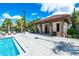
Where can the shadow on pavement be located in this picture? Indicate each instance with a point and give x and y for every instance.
(61, 47)
(66, 47)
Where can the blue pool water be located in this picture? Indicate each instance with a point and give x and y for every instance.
(8, 47)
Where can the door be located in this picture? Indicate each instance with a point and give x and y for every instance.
(46, 29)
(58, 27)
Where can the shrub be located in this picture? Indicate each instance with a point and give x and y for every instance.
(31, 30)
(13, 28)
(75, 36)
(4, 30)
(72, 31)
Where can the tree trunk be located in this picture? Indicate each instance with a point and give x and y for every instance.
(8, 28)
(21, 28)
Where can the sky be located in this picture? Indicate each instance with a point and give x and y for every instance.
(34, 10)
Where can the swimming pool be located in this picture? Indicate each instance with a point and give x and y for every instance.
(8, 47)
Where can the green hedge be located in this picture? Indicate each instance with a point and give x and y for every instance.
(31, 31)
(75, 36)
(72, 31)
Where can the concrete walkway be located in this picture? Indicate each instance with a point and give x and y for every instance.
(39, 45)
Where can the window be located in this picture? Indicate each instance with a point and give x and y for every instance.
(58, 27)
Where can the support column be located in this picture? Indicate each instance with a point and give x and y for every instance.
(50, 28)
(36, 31)
(43, 28)
(39, 28)
(62, 29)
(65, 29)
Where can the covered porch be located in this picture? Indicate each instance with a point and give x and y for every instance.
(55, 25)
(54, 28)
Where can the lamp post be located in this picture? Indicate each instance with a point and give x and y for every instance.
(24, 20)
(73, 20)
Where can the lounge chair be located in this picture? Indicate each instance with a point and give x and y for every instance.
(0, 34)
(14, 32)
(3, 34)
(9, 32)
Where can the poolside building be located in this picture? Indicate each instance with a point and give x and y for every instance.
(54, 25)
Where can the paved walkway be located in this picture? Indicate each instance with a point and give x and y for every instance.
(39, 45)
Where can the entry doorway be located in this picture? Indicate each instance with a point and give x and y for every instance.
(58, 27)
(46, 29)
(37, 30)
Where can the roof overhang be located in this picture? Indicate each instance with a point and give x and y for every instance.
(56, 18)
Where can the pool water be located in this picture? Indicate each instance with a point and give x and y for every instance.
(8, 47)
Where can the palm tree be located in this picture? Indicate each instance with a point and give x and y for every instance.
(32, 26)
(20, 24)
(7, 24)
(35, 20)
(75, 19)
(24, 23)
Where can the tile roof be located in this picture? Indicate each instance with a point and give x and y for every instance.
(55, 18)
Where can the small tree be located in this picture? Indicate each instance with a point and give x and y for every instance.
(75, 19)
(19, 25)
(7, 24)
(72, 31)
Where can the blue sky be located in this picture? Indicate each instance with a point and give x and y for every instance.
(34, 10)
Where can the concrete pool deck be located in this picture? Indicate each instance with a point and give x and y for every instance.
(39, 45)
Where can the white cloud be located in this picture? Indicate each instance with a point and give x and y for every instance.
(6, 15)
(34, 13)
(77, 8)
(47, 7)
(1, 20)
(59, 12)
(38, 17)
(16, 17)
(58, 8)
(37, 1)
